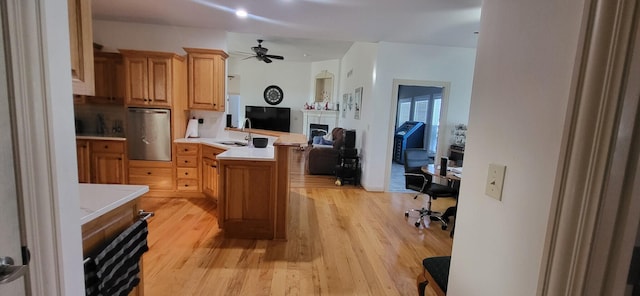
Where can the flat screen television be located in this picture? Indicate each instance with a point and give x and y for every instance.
(269, 118)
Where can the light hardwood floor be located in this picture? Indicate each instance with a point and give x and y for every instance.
(342, 241)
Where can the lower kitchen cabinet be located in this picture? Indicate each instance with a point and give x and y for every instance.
(210, 177)
(210, 171)
(99, 232)
(108, 162)
(247, 201)
(158, 175)
(187, 167)
(101, 161)
(84, 161)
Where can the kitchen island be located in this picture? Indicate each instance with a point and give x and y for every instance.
(106, 211)
(253, 185)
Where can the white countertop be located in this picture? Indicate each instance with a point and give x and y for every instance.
(99, 199)
(234, 152)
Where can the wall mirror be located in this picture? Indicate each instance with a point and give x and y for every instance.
(324, 87)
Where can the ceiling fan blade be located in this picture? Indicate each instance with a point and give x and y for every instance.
(251, 57)
(266, 59)
(276, 57)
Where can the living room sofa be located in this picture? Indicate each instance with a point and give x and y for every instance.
(324, 158)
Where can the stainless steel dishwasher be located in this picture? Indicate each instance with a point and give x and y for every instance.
(149, 134)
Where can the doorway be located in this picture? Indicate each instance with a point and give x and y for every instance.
(420, 114)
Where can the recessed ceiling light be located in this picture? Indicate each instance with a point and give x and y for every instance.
(241, 13)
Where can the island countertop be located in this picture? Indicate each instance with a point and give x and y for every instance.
(99, 199)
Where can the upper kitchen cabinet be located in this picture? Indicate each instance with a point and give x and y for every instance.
(153, 79)
(81, 41)
(109, 76)
(207, 78)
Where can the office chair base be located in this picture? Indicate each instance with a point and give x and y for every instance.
(432, 215)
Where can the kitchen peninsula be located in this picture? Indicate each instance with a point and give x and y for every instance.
(253, 184)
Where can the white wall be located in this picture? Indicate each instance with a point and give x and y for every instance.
(410, 62)
(125, 35)
(525, 62)
(292, 77)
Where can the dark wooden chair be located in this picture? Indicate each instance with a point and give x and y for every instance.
(435, 272)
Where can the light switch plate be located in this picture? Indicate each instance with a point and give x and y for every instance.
(495, 180)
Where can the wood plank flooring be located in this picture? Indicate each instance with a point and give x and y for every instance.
(342, 241)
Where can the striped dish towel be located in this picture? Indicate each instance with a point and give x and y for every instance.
(117, 265)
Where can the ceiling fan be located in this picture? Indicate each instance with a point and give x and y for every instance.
(261, 53)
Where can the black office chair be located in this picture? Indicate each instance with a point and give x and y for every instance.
(416, 179)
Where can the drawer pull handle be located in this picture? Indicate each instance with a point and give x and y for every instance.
(186, 185)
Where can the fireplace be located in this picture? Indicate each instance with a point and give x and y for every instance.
(317, 130)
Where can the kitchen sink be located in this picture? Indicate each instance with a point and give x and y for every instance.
(233, 143)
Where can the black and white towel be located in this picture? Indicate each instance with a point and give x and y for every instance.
(115, 270)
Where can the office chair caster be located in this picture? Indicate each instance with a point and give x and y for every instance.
(406, 214)
(417, 224)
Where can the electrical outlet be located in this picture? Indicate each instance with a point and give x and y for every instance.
(495, 181)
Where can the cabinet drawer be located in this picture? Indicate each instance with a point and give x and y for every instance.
(188, 185)
(211, 152)
(187, 173)
(155, 178)
(187, 161)
(187, 149)
(107, 146)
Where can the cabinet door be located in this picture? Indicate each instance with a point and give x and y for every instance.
(84, 161)
(160, 81)
(136, 82)
(103, 69)
(219, 81)
(81, 45)
(206, 81)
(248, 190)
(210, 178)
(107, 168)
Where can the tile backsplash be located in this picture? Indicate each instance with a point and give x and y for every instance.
(88, 120)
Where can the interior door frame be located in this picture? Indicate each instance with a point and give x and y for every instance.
(442, 146)
(595, 210)
(38, 60)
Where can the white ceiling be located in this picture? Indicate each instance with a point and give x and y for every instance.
(321, 29)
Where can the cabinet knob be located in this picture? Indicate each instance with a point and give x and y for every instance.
(185, 149)
(186, 161)
(186, 185)
(186, 174)
(148, 173)
(119, 158)
(106, 146)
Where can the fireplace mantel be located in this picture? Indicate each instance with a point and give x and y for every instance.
(328, 117)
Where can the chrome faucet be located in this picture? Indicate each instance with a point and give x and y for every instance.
(249, 138)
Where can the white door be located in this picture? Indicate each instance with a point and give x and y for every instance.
(9, 223)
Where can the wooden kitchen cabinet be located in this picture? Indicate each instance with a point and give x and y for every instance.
(109, 79)
(81, 45)
(158, 175)
(153, 79)
(108, 162)
(187, 167)
(84, 161)
(247, 201)
(99, 232)
(210, 171)
(206, 78)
